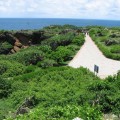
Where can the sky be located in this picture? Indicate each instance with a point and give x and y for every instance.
(81, 9)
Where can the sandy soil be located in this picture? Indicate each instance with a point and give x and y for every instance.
(89, 55)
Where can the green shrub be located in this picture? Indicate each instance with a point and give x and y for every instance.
(45, 48)
(68, 112)
(5, 47)
(56, 88)
(73, 48)
(10, 69)
(5, 88)
(61, 54)
(59, 40)
(79, 40)
(62, 93)
(46, 63)
(107, 44)
(30, 69)
(3, 68)
(115, 49)
(28, 56)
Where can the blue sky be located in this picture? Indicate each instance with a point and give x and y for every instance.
(90, 9)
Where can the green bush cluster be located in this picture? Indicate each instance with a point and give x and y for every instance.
(63, 92)
(78, 40)
(60, 92)
(107, 39)
(46, 63)
(29, 56)
(61, 54)
(5, 88)
(68, 112)
(10, 68)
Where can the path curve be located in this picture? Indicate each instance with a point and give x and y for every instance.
(89, 55)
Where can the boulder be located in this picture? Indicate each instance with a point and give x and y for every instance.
(18, 44)
(77, 118)
(24, 37)
(111, 42)
(26, 105)
(12, 51)
(24, 47)
(22, 110)
(16, 49)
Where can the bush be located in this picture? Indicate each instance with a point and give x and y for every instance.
(5, 47)
(61, 55)
(59, 40)
(46, 63)
(45, 49)
(73, 48)
(62, 93)
(37, 37)
(10, 69)
(115, 49)
(28, 56)
(79, 40)
(30, 69)
(68, 112)
(106, 43)
(5, 88)
(3, 68)
(110, 42)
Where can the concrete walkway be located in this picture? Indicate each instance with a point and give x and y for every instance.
(89, 55)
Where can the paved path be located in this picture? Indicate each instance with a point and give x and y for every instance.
(89, 55)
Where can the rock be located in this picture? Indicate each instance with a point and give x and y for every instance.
(24, 47)
(7, 36)
(12, 51)
(23, 37)
(110, 42)
(37, 37)
(18, 44)
(16, 49)
(110, 117)
(26, 105)
(77, 118)
(22, 111)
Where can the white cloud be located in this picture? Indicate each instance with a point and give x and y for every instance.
(101, 9)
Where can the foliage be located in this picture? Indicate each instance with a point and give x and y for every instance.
(5, 88)
(10, 68)
(58, 87)
(59, 40)
(46, 63)
(28, 56)
(61, 92)
(78, 40)
(68, 112)
(61, 54)
(107, 40)
(5, 47)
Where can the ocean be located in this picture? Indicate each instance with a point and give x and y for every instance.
(38, 23)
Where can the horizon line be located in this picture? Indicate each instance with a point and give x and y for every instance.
(59, 18)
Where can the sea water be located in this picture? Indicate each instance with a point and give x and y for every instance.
(38, 23)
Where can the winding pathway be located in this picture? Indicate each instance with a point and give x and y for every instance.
(89, 55)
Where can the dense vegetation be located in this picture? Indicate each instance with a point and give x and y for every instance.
(36, 84)
(108, 41)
